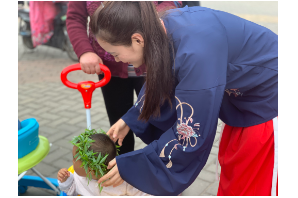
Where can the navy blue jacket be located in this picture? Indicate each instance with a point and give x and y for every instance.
(225, 67)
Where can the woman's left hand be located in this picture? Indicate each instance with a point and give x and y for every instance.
(112, 177)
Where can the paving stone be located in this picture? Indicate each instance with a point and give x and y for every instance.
(59, 98)
(212, 189)
(215, 144)
(68, 158)
(49, 116)
(57, 154)
(140, 145)
(67, 114)
(47, 129)
(196, 188)
(214, 150)
(98, 117)
(69, 102)
(51, 104)
(68, 127)
(23, 102)
(26, 111)
(44, 168)
(44, 99)
(65, 142)
(205, 194)
(211, 159)
(77, 119)
(58, 135)
(216, 138)
(59, 121)
(44, 122)
(32, 106)
(53, 147)
(83, 125)
(61, 163)
(212, 168)
(103, 123)
(207, 176)
(42, 110)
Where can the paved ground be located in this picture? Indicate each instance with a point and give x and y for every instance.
(60, 112)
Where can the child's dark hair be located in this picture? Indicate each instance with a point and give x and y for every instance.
(104, 145)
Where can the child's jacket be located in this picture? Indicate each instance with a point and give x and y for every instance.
(77, 185)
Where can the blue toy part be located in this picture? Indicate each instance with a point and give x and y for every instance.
(19, 125)
(27, 137)
(22, 189)
(35, 181)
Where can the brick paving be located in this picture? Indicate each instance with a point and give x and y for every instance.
(61, 115)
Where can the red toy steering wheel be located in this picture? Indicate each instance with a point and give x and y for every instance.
(86, 87)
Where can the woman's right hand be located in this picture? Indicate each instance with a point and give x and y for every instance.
(90, 63)
(118, 131)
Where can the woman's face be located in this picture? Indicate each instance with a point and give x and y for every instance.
(127, 54)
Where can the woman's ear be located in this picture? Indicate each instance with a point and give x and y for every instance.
(137, 39)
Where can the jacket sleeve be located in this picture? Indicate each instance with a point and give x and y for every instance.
(144, 130)
(76, 24)
(68, 186)
(169, 165)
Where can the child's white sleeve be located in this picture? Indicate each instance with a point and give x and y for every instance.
(68, 186)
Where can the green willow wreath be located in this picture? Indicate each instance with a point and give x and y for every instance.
(89, 161)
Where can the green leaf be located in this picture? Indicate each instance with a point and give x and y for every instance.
(98, 158)
(86, 168)
(103, 159)
(77, 155)
(78, 158)
(100, 187)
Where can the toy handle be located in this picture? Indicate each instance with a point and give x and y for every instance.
(77, 66)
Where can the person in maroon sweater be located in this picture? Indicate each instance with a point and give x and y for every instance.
(118, 93)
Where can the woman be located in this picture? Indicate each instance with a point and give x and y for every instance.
(202, 65)
(118, 93)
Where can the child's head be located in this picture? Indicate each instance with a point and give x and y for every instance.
(102, 144)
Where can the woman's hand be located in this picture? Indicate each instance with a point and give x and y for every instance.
(63, 174)
(112, 177)
(90, 63)
(118, 131)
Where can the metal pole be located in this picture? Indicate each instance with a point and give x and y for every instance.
(46, 181)
(21, 175)
(88, 115)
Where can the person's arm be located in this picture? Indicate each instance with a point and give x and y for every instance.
(68, 186)
(170, 164)
(167, 5)
(76, 24)
(144, 130)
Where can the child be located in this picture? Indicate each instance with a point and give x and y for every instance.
(92, 152)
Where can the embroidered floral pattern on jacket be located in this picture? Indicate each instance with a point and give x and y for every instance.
(236, 92)
(185, 132)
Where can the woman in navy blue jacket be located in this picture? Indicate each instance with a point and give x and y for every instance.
(202, 64)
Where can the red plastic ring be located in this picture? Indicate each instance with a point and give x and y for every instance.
(101, 83)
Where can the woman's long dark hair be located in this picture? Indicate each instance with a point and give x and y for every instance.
(116, 22)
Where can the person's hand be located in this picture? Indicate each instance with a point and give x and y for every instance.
(90, 63)
(118, 131)
(112, 177)
(63, 174)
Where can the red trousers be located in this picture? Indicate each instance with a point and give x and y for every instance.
(247, 158)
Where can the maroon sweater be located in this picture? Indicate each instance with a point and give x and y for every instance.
(76, 24)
